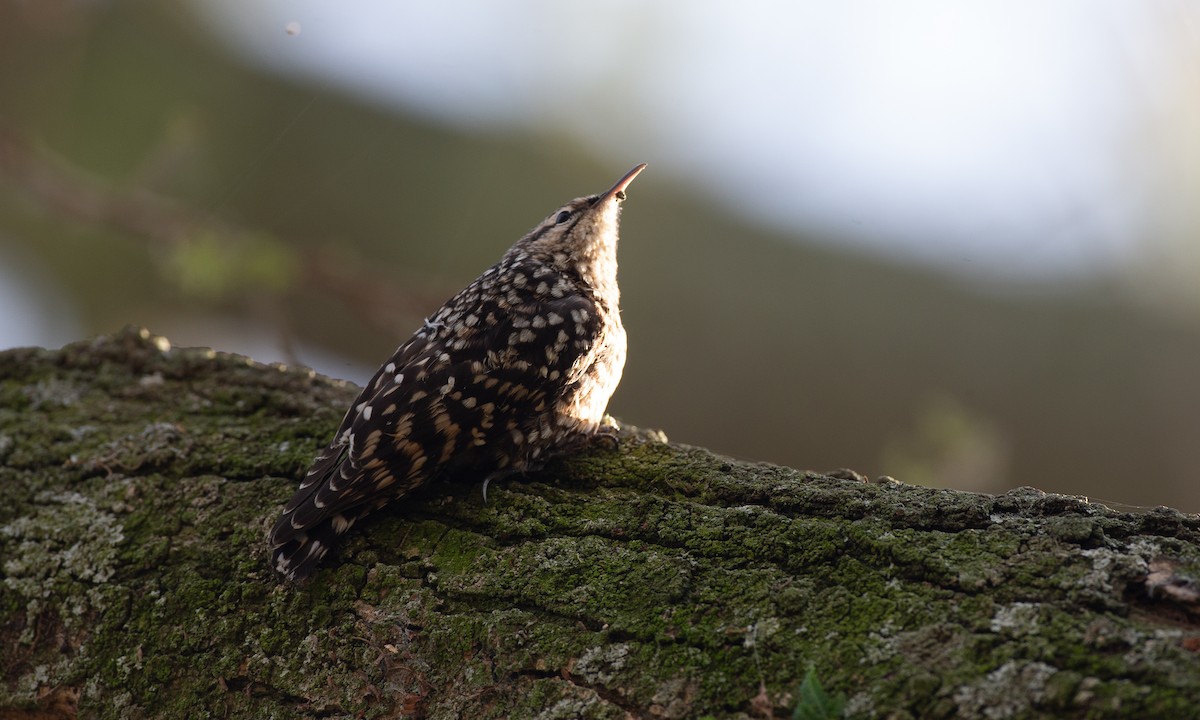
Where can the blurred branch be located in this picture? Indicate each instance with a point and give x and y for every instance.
(62, 188)
(67, 191)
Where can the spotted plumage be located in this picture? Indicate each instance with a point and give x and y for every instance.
(515, 368)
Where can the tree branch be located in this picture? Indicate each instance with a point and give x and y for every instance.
(137, 485)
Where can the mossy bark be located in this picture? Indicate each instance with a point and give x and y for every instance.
(137, 484)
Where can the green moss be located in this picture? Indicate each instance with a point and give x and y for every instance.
(138, 484)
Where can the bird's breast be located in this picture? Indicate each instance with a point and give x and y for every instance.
(588, 400)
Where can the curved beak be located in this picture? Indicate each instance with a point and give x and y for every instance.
(618, 190)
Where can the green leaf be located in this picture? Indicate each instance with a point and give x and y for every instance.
(815, 703)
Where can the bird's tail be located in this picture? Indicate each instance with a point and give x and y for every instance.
(308, 528)
(296, 552)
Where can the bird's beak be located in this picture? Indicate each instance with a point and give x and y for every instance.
(618, 190)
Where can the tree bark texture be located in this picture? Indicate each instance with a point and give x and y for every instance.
(137, 483)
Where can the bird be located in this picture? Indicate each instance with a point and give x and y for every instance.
(515, 369)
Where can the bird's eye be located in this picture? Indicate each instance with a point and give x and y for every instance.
(562, 217)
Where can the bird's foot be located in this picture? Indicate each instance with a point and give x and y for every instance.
(846, 474)
(607, 435)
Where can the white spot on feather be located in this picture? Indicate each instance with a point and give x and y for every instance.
(341, 523)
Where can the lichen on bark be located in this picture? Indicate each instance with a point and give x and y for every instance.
(137, 483)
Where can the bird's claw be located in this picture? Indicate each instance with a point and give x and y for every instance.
(607, 435)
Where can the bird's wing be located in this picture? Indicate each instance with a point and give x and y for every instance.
(331, 495)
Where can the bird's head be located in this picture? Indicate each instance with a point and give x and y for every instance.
(584, 230)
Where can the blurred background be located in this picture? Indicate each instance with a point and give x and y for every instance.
(956, 243)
